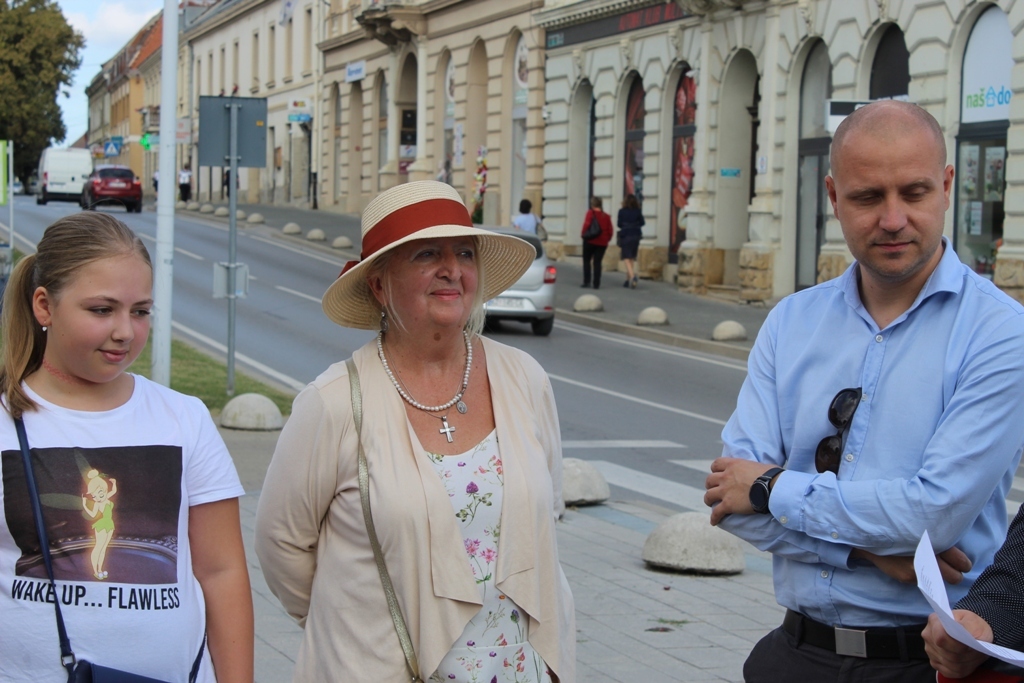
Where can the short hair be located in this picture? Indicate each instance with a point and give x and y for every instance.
(595, 203)
(68, 245)
(525, 206)
(630, 202)
(887, 115)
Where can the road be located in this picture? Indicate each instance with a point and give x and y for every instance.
(649, 416)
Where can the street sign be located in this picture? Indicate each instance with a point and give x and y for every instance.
(215, 127)
(837, 110)
(112, 148)
(183, 131)
(300, 111)
(221, 288)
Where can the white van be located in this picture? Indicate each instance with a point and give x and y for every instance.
(62, 174)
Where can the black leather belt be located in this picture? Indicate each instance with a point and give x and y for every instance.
(904, 643)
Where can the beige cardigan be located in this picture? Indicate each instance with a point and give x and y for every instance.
(311, 537)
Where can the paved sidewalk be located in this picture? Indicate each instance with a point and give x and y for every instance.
(691, 318)
(633, 624)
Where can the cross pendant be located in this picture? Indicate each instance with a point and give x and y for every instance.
(448, 429)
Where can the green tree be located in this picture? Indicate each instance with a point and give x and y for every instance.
(39, 52)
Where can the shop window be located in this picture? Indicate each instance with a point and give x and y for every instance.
(634, 157)
(683, 130)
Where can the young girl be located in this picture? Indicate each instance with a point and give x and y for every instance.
(142, 581)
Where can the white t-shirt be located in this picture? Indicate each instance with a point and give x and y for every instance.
(149, 460)
(527, 222)
(184, 177)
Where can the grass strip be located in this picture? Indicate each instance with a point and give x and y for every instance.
(196, 374)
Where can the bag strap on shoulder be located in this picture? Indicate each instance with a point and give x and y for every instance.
(371, 531)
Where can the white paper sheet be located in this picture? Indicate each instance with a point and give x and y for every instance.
(931, 585)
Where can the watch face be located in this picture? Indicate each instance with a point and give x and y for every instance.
(759, 496)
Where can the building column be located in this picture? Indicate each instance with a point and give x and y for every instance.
(389, 171)
(421, 168)
(757, 256)
(695, 251)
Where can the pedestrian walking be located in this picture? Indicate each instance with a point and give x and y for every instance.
(631, 223)
(596, 233)
(453, 437)
(133, 488)
(156, 181)
(185, 183)
(877, 405)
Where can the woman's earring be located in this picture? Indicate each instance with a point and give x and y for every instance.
(383, 321)
(44, 328)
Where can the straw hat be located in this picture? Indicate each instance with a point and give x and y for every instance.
(412, 211)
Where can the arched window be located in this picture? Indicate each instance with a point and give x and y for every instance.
(890, 72)
(634, 158)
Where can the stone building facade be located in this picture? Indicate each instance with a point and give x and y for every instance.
(434, 90)
(717, 112)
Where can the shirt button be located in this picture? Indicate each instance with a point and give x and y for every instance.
(824, 574)
(849, 457)
(835, 534)
(879, 338)
(784, 519)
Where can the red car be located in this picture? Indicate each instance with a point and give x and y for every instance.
(112, 185)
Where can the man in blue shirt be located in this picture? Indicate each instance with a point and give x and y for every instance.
(877, 405)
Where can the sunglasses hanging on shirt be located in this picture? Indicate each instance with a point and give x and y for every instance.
(840, 413)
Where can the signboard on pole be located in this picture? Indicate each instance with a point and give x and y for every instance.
(214, 131)
(183, 131)
(300, 110)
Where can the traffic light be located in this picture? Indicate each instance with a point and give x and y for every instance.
(145, 142)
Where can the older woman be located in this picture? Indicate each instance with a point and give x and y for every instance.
(461, 441)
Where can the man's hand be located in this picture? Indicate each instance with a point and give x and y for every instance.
(952, 565)
(729, 485)
(950, 657)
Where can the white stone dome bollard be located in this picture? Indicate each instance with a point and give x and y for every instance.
(222, 212)
(687, 542)
(729, 330)
(316, 235)
(291, 229)
(254, 218)
(582, 484)
(341, 242)
(192, 206)
(206, 208)
(652, 315)
(251, 411)
(239, 215)
(180, 205)
(588, 303)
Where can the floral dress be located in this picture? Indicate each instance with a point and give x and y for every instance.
(493, 648)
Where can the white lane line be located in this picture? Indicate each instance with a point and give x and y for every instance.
(184, 252)
(656, 487)
(612, 443)
(302, 252)
(648, 346)
(255, 364)
(641, 401)
(298, 293)
(702, 466)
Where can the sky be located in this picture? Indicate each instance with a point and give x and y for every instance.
(107, 25)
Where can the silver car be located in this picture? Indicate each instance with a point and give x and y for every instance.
(532, 298)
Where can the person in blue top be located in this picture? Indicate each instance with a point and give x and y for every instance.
(877, 405)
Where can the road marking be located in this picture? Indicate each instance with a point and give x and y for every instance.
(702, 466)
(612, 443)
(298, 294)
(667, 350)
(682, 495)
(641, 401)
(303, 252)
(184, 252)
(290, 382)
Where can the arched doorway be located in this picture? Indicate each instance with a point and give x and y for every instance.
(476, 125)
(405, 103)
(444, 117)
(355, 147)
(812, 199)
(684, 118)
(519, 76)
(633, 158)
(981, 141)
(737, 149)
(582, 120)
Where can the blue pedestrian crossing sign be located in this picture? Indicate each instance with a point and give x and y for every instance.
(111, 148)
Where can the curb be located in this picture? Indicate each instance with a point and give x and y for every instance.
(667, 338)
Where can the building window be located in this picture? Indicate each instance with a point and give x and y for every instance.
(223, 69)
(256, 60)
(634, 159)
(684, 127)
(272, 56)
(382, 123)
(289, 35)
(890, 72)
(310, 44)
(234, 68)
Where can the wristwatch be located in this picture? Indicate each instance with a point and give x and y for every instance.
(761, 490)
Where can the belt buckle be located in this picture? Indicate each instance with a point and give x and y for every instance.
(851, 642)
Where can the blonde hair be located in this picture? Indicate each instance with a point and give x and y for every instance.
(67, 245)
(96, 482)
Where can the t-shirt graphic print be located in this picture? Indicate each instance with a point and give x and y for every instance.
(109, 517)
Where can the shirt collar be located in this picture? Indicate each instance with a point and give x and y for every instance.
(947, 277)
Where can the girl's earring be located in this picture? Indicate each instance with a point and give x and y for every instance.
(383, 321)
(44, 328)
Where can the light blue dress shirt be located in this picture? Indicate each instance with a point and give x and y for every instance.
(934, 443)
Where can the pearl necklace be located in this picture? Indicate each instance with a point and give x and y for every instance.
(456, 400)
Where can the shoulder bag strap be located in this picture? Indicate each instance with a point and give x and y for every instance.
(67, 656)
(378, 555)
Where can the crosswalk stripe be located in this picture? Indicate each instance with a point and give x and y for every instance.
(685, 496)
(612, 443)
